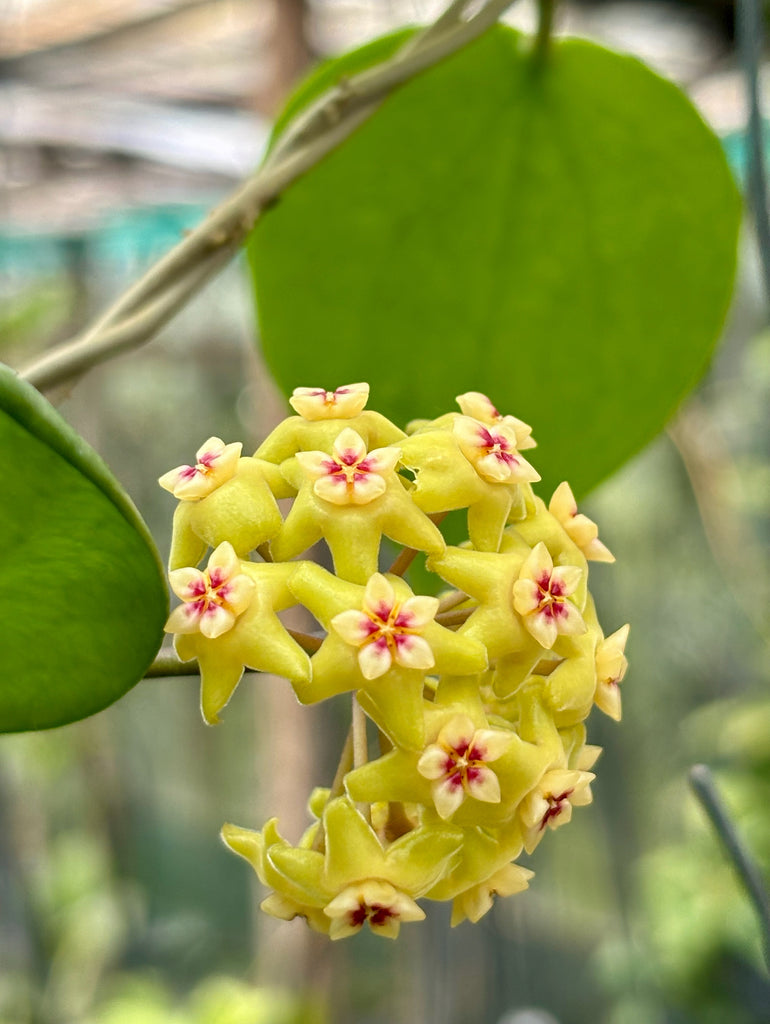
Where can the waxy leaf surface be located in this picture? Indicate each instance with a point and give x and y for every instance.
(560, 236)
(83, 600)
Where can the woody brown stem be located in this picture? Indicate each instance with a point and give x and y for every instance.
(454, 618)
(408, 555)
(451, 600)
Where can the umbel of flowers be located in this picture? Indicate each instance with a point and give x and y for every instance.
(479, 694)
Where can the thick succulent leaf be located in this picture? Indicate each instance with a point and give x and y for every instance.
(561, 237)
(83, 600)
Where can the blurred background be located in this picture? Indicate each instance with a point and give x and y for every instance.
(120, 124)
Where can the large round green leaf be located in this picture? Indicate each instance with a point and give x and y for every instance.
(83, 600)
(560, 236)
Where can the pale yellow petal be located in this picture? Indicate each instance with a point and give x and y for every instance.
(374, 659)
(188, 583)
(334, 489)
(215, 621)
(379, 596)
(354, 627)
(416, 612)
(366, 487)
(434, 762)
(484, 785)
(448, 794)
(414, 652)
(223, 561)
(349, 447)
(184, 619)
(315, 464)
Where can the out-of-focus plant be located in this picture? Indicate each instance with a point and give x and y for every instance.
(459, 208)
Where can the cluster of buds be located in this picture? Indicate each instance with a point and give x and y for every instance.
(479, 694)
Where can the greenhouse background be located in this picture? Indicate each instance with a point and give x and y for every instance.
(121, 124)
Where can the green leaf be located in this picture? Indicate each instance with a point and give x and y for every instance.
(559, 237)
(83, 600)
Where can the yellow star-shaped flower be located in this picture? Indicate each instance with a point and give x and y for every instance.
(382, 640)
(232, 625)
(351, 497)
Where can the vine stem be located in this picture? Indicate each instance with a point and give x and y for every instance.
(360, 747)
(451, 600)
(749, 32)
(407, 555)
(344, 765)
(702, 782)
(454, 618)
(546, 10)
(150, 303)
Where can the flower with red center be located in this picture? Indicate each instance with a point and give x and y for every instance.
(317, 404)
(387, 630)
(472, 904)
(611, 665)
(550, 804)
(215, 463)
(479, 407)
(541, 597)
(492, 451)
(379, 903)
(456, 764)
(213, 599)
(581, 530)
(350, 475)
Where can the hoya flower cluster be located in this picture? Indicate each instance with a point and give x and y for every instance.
(478, 695)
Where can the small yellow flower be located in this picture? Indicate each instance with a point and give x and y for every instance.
(550, 804)
(388, 630)
(492, 452)
(541, 596)
(474, 903)
(213, 599)
(215, 464)
(317, 404)
(582, 530)
(480, 408)
(611, 665)
(350, 475)
(372, 901)
(457, 764)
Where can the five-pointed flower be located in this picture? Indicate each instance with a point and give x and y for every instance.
(351, 498)
(245, 634)
(457, 764)
(466, 771)
(550, 804)
(371, 901)
(214, 598)
(388, 630)
(410, 643)
(541, 596)
(350, 475)
(474, 903)
(611, 665)
(322, 415)
(318, 404)
(241, 509)
(492, 451)
(446, 479)
(479, 407)
(355, 881)
(583, 531)
(215, 463)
